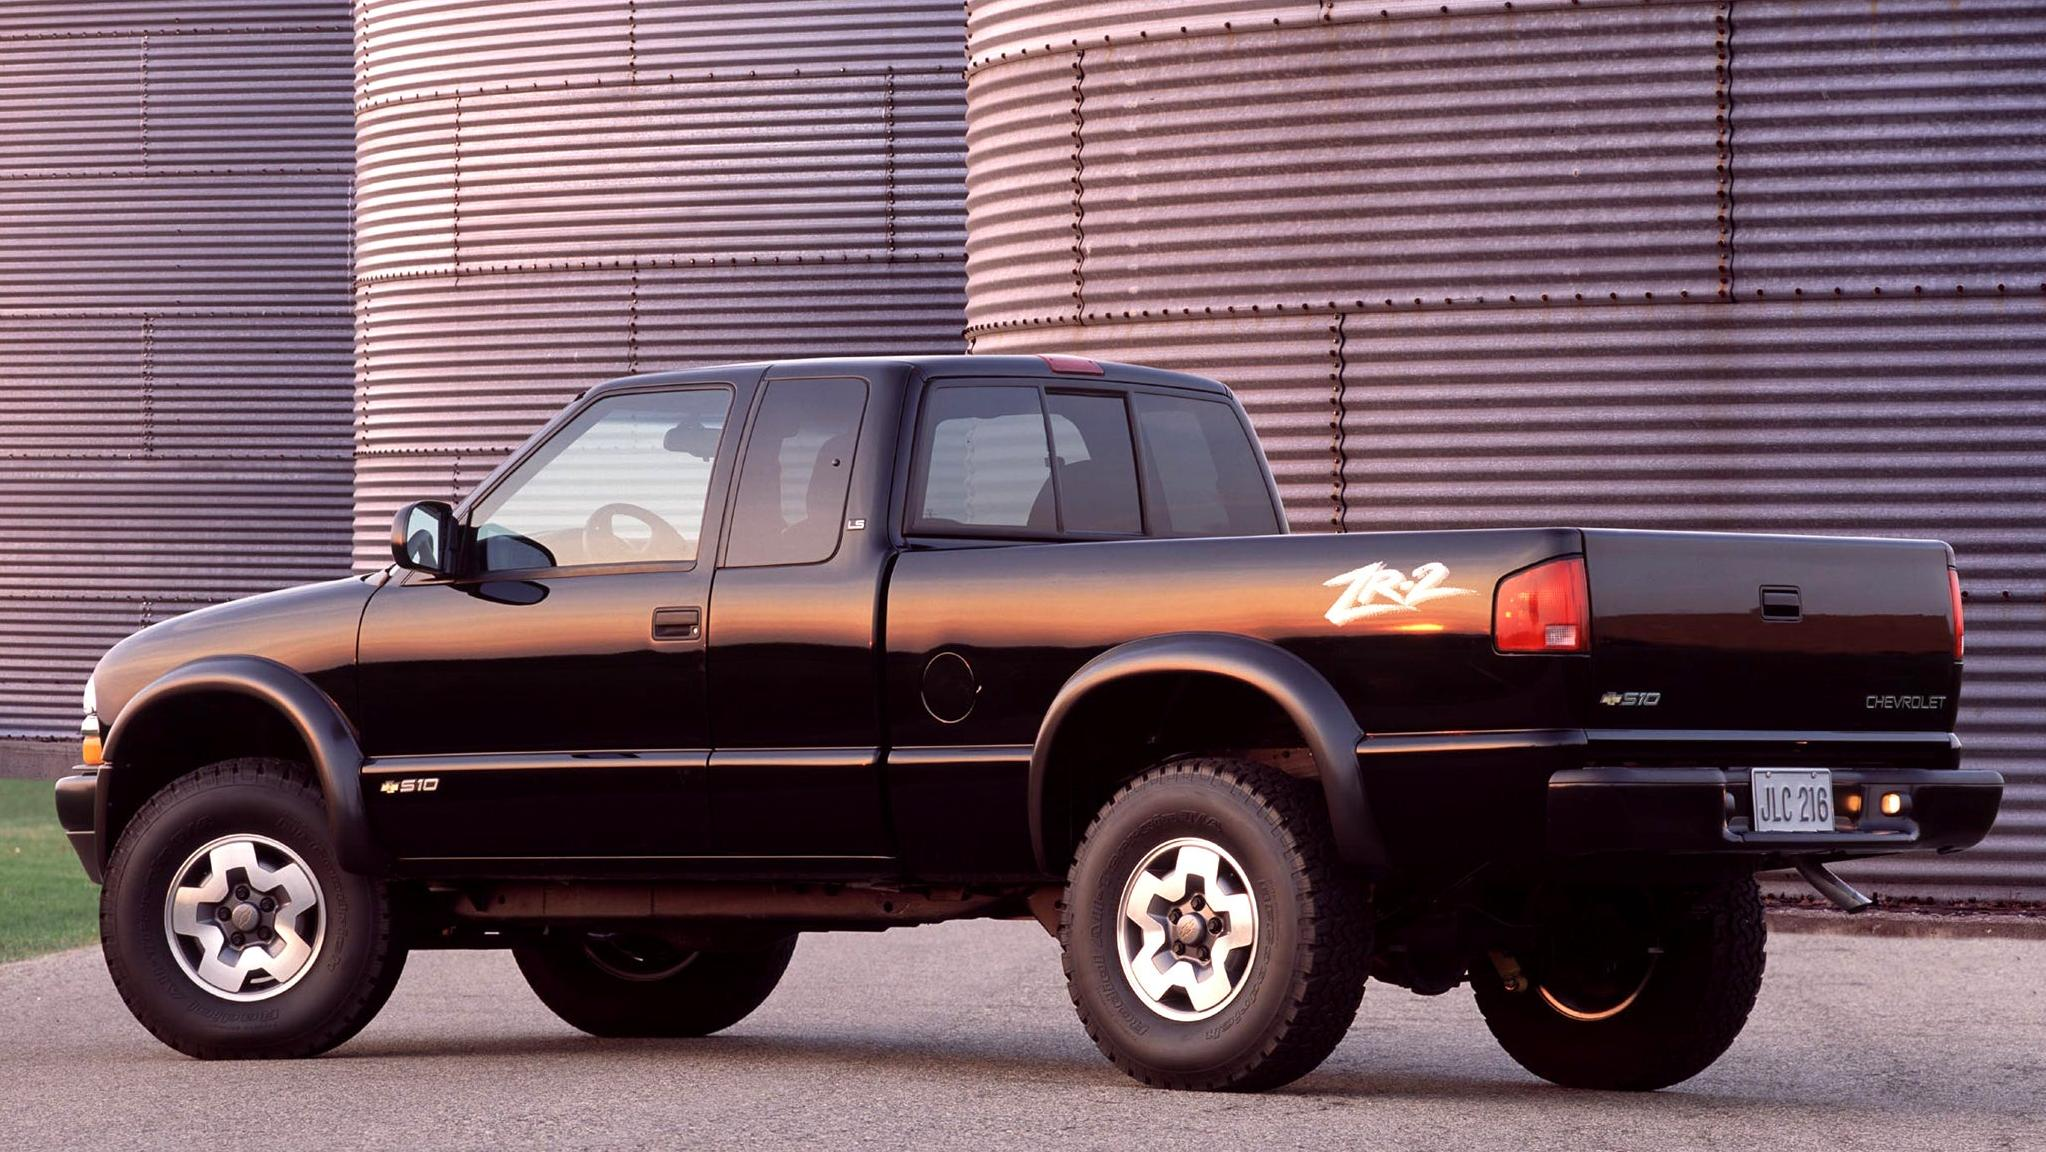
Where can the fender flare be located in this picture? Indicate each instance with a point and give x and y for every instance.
(1324, 720)
(329, 738)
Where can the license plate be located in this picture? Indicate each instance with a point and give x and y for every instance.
(1792, 799)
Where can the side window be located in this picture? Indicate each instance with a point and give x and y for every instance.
(792, 484)
(1090, 439)
(1202, 476)
(624, 482)
(984, 461)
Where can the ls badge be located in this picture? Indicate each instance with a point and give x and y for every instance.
(1376, 589)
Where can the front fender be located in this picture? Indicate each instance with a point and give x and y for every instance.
(1325, 722)
(329, 738)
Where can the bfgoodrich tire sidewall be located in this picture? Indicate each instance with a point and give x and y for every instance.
(162, 994)
(1126, 836)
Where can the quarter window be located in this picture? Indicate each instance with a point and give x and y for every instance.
(798, 464)
(624, 482)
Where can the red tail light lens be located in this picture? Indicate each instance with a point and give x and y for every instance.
(1546, 608)
(1960, 626)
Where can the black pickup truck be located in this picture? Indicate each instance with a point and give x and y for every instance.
(726, 655)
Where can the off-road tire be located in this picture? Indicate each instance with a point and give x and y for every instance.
(1306, 975)
(709, 992)
(360, 956)
(1687, 1014)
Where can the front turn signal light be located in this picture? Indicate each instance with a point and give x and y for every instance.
(1546, 608)
(91, 753)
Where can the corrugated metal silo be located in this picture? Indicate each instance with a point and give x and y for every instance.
(174, 322)
(552, 194)
(1763, 265)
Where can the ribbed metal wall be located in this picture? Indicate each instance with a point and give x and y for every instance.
(554, 193)
(174, 322)
(1765, 265)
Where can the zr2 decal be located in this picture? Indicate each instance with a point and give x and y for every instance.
(1376, 589)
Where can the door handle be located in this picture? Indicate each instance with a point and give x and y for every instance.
(1782, 603)
(678, 623)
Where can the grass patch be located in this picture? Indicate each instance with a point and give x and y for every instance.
(46, 903)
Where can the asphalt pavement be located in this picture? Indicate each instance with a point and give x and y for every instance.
(961, 1036)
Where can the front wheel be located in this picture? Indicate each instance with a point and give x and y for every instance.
(1629, 992)
(1212, 938)
(633, 984)
(230, 928)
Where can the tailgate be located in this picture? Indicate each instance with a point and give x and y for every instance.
(1778, 633)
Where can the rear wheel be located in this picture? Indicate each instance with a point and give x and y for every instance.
(1616, 996)
(230, 928)
(1212, 938)
(637, 984)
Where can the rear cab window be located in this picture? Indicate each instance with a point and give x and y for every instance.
(1202, 475)
(984, 465)
(1028, 460)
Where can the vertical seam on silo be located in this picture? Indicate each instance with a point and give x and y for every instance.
(142, 96)
(359, 295)
(632, 321)
(148, 367)
(358, 314)
(364, 295)
(455, 207)
(632, 41)
(1080, 186)
(888, 163)
(1723, 97)
(1339, 339)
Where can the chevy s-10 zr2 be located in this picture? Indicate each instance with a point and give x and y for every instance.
(730, 654)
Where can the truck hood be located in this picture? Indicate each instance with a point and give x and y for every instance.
(310, 628)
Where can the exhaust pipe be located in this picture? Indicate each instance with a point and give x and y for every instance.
(1838, 891)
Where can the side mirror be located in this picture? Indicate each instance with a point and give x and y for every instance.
(422, 537)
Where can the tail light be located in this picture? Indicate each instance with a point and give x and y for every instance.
(1072, 365)
(1546, 608)
(1960, 627)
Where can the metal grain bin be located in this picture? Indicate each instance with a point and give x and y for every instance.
(174, 322)
(1760, 265)
(553, 194)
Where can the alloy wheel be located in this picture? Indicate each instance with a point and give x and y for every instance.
(244, 917)
(1189, 929)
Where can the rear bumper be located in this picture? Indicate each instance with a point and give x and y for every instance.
(1706, 810)
(80, 811)
(1573, 792)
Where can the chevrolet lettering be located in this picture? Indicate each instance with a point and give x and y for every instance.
(1907, 703)
(727, 656)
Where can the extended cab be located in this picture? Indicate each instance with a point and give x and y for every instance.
(730, 654)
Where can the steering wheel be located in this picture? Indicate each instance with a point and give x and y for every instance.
(603, 545)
